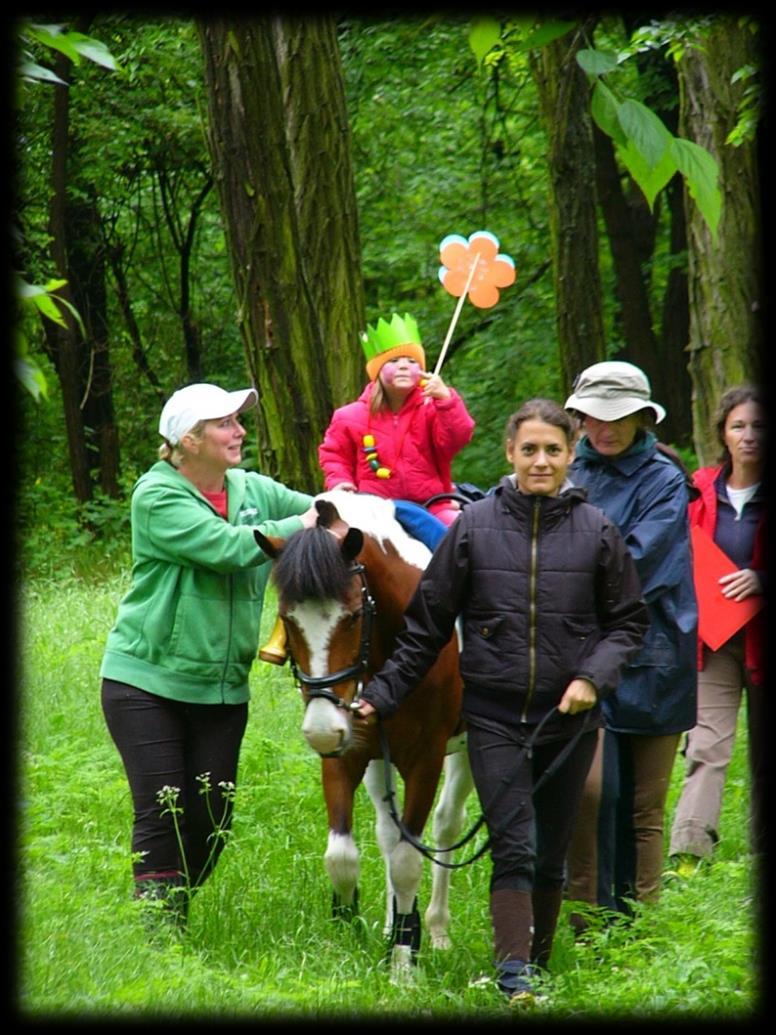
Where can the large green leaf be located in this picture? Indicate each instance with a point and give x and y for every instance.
(32, 70)
(604, 108)
(31, 377)
(644, 130)
(94, 50)
(53, 36)
(483, 36)
(596, 62)
(546, 33)
(651, 180)
(700, 170)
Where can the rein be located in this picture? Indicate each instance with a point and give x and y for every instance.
(320, 686)
(427, 850)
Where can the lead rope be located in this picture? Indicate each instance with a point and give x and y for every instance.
(427, 850)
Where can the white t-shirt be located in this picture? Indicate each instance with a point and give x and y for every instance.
(739, 497)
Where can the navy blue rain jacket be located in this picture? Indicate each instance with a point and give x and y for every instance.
(645, 495)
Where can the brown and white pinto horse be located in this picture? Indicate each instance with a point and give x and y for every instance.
(342, 590)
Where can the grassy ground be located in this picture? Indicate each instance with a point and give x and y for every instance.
(261, 944)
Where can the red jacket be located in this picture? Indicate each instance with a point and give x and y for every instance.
(417, 444)
(703, 513)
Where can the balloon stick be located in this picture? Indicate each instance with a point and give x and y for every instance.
(456, 314)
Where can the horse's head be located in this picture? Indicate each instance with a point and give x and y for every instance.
(326, 608)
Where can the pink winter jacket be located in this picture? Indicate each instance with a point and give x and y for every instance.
(417, 444)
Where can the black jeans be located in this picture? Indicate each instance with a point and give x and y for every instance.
(165, 743)
(529, 831)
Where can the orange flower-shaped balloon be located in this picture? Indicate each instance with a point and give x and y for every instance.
(475, 262)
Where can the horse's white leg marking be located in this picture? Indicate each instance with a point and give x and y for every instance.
(448, 823)
(406, 865)
(341, 861)
(386, 830)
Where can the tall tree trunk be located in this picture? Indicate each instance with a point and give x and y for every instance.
(564, 96)
(280, 149)
(86, 263)
(318, 136)
(65, 343)
(725, 276)
(671, 384)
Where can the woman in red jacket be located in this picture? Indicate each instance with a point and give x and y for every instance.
(731, 508)
(397, 440)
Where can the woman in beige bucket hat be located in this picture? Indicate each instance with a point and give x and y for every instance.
(616, 853)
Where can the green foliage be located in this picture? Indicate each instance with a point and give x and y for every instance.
(644, 144)
(261, 944)
(43, 298)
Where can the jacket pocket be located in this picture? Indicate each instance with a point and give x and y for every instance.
(485, 628)
(656, 652)
(581, 637)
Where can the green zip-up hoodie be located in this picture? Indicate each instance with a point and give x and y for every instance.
(188, 628)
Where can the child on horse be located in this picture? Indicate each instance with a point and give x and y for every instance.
(397, 440)
(399, 437)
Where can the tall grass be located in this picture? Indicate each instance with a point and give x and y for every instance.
(261, 943)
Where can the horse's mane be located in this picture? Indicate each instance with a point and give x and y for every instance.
(311, 566)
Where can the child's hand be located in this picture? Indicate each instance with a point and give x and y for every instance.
(434, 387)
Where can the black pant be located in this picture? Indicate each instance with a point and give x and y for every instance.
(165, 743)
(529, 831)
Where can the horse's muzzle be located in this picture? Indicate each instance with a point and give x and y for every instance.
(327, 728)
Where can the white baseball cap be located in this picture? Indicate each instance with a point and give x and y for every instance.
(189, 405)
(612, 390)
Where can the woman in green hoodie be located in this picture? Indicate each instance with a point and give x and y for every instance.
(175, 671)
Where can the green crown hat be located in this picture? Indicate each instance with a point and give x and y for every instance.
(386, 341)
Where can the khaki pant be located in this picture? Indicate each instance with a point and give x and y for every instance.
(709, 749)
(616, 849)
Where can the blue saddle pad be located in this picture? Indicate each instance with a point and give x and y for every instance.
(419, 522)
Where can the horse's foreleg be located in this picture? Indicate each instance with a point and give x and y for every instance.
(386, 831)
(405, 866)
(449, 817)
(341, 862)
(341, 856)
(406, 863)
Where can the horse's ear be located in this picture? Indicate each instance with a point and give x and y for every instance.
(271, 545)
(352, 543)
(327, 513)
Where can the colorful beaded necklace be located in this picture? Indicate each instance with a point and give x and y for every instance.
(370, 448)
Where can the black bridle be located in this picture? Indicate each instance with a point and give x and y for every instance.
(320, 686)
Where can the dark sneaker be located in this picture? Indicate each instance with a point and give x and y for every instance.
(515, 979)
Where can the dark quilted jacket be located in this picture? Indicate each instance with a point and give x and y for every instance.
(547, 591)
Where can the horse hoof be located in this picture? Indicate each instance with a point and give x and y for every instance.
(346, 911)
(440, 940)
(403, 965)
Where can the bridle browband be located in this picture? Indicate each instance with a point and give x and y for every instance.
(320, 686)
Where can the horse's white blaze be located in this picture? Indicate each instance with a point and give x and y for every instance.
(325, 727)
(341, 861)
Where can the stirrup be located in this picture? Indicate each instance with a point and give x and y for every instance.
(274, 650)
